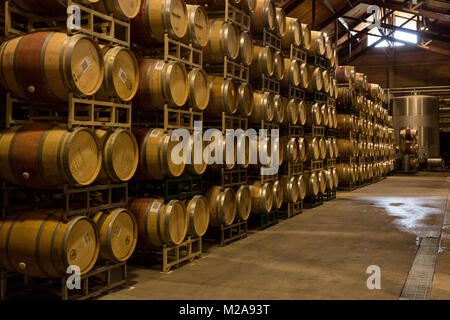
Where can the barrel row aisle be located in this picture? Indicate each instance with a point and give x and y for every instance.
(365, 134)
(67, 149)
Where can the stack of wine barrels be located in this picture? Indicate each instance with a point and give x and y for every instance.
(48, 67)
(409, 149)
(365, 135)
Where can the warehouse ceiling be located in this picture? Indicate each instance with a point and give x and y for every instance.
(340, 18)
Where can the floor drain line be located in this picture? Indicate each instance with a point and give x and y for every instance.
(420, 278)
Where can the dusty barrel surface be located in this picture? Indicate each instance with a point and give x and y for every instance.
(39, 243)
(161, 83)
(118, 233)
(47, 66)
(156, 155)
(197, 210)
(223, 206)
(120, 155)
(44, 156)
(157, 17)
(159, 223)
(223, 41)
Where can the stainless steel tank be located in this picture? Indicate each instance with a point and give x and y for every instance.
(420, 113)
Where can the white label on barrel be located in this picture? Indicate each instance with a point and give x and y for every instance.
(160, 65)
(122, 75)
(85, 64)
(117, 232)
(86, 239)
(155, 206)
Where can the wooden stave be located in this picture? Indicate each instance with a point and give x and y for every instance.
(221, 90)
(191, 212)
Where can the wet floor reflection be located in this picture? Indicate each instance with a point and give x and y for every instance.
(421, 216)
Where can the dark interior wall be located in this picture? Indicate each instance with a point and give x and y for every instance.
(404, 67)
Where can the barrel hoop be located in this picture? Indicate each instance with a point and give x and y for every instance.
(148, 72)
(167, 220)
(66, 236)
(221, 199)
(65, 159)
(147, 20)
(165, 16)
(61, 172)
(61, 63)
(7, 240)
(211, 85)
(191, 209)
(67, 63)
(210, 38)
(109, 64)
(42, 63)
(38, 240)
(165, 81)
(114, 214)
(158, 220)
(144, 152)
(52, 251)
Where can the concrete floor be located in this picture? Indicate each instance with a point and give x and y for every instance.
(322, 253)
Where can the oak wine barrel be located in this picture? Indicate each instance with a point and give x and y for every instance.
(291, 114)
(118, 233)
(161, 83)
(246, 102)
(197, 210)
(262, 197)
(277, 194)
(244, 202)
(246, 48)
(312, 148)
(120, 155)
(223, 41)
(48, 66)
(38, 243)
(263, 17)
(306, 36)
(280, 108)
(317, 46)
(314, 114)
(155, 154)
(301, 187)
(223, 96)
(292, 73)
(199, 92)
(345, 74)
(312, 185)
(290, 189)
(198, 26)
(293, 33)
(264, 107)
(281, 23)
(223, 206)
(346, 174)
(346, 148)
(323, 148)
(44, 156)
(158, 223)
(263, 62)
(279, 66)
(315, 79)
